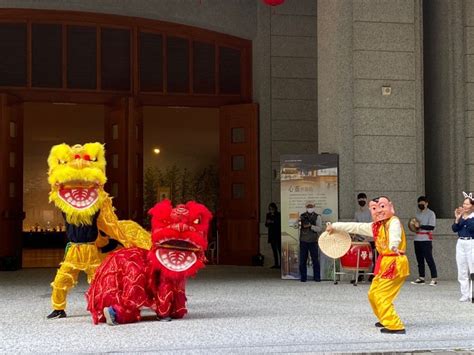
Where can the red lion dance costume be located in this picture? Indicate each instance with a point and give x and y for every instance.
(132, 278)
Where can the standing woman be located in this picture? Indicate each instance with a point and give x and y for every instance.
(273, 223)
(464, 227)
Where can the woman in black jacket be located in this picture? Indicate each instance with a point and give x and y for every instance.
(273, 223)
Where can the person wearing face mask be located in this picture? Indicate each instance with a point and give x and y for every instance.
(362, 213)
(310, 226)
(464, 226)
(424, 242)
(273, 223)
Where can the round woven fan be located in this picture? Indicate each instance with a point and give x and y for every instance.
(335, 244)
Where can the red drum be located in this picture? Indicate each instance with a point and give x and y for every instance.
(362, 250)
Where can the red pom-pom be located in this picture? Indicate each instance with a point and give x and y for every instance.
(273, 2)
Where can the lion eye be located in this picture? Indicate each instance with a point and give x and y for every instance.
(93, 159)
(197, 221)
(61, 161)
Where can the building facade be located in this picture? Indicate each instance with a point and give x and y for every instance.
(387, 85)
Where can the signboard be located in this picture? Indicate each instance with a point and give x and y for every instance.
(303, 179)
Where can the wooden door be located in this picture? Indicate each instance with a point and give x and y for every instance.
(124, 154)
(239, 194)
(11, 182)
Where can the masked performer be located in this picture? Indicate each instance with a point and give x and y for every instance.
(391, 268)
(132, 278)
(77, 177)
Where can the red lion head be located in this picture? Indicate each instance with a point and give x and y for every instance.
(179, 237)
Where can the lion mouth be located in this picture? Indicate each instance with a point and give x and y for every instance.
(79, 195)
(177, 255)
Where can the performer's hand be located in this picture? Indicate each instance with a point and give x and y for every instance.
(329, 227)
(396, 251)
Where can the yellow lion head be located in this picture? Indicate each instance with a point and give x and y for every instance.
(77, 177)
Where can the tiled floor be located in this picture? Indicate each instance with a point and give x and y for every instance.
(238, 310)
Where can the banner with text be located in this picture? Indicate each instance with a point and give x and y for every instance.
(303, 179)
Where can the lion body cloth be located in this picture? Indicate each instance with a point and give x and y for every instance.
(130, 279)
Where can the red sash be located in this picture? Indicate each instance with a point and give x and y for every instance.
(429, 234)
(379, 260)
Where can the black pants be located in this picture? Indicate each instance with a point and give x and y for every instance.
(312, 248)
(276, 248)
(424, 251)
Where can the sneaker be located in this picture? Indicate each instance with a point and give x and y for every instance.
(57, 313)
(418, 281)
(110, 315)
(433, 283)
(464, 299)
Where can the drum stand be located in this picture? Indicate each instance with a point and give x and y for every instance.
(357, 272)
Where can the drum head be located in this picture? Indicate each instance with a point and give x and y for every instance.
(412, 225)
(335, 244)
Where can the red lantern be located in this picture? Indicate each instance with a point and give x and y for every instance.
(273, 2)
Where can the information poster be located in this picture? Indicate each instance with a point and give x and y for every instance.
(303, 179)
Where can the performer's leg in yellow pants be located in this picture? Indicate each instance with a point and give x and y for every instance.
(79, 257)
(65, 279)
(382, 293)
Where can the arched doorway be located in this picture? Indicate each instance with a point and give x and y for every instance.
(125, 64)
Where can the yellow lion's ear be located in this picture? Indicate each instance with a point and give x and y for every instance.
(96, 153)
(59, 154)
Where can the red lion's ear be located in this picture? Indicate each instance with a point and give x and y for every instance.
(199, 210)
(161, 210)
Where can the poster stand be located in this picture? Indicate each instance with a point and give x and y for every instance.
(307, 178)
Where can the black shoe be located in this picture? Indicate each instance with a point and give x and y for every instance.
(418, 281)
(390, 331)
(57, 314)
(317, 280)
(275, 267)
(302, 280)
(379, 325)
(371, 277)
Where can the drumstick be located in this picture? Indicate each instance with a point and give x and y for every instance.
(166, 246)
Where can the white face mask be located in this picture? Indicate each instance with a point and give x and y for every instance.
(310, 210)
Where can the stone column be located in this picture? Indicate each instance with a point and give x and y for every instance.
(370, 98)
(335, 93)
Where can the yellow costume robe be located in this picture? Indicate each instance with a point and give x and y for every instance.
(392, 269)
(87, 257)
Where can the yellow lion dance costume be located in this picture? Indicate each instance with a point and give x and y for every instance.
(77, 178)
